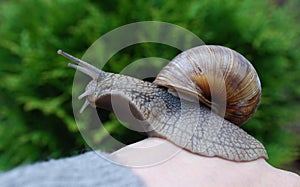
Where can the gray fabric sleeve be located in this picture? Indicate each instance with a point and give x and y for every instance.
(88, 169)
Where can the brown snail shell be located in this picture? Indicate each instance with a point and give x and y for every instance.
(218, 76)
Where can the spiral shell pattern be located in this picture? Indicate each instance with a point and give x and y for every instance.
(220, 77)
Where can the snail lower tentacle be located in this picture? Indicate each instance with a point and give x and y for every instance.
(190, 125)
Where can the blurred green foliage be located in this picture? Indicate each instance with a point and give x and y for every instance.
(36, 120)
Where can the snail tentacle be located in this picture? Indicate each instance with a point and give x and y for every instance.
(85, 104)
(86, 93)
(83, 66)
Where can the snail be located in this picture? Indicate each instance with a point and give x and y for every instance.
(218, 77)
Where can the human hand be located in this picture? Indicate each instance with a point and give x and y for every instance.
(187, 169)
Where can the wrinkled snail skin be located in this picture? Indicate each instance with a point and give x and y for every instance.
(188, 124)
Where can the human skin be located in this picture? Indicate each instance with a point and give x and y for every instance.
(158, 162)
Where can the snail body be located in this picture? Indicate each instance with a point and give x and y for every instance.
(189, 124)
